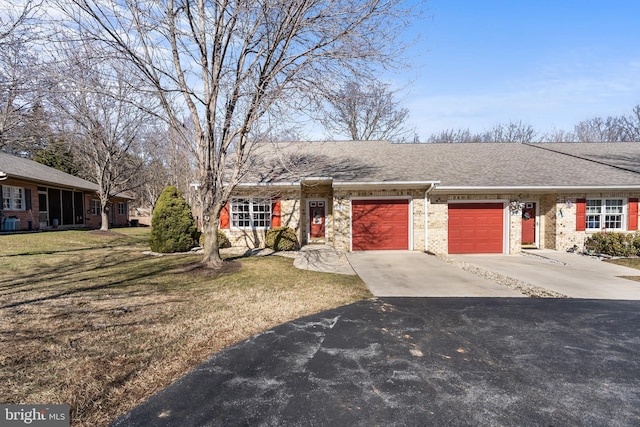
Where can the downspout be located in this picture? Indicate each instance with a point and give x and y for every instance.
(426, 215)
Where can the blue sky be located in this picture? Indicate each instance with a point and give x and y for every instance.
(546, 63)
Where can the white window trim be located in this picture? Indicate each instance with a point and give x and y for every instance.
(8, 192)
(252, 201)
(122, 211)
(623, 220)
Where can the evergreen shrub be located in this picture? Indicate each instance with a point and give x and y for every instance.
(173, 227)
(281, 239)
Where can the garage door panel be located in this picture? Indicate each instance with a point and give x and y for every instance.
(476, 228)
(380, 224)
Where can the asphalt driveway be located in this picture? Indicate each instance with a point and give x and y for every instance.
(417, 274)
(421, 361)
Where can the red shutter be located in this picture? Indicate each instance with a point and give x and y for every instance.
(275, 213)
(633, 214)
(581, 214)
(224, 216)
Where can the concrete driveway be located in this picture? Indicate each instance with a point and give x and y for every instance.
(570, 274)
(421, 361)
(416, 274)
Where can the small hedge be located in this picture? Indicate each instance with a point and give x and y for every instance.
(223, 241)
(614, 244)
(173, 227)
(281, 239)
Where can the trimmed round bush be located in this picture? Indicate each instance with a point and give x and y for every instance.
(173, 227)
(281, 239)
(223, 241)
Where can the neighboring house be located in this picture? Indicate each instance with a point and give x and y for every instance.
(443, 198)
(37, 197)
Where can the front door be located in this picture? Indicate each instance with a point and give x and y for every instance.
(317, 219)
(529, 224)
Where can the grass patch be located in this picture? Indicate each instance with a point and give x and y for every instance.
(627, 262)
(86, 319)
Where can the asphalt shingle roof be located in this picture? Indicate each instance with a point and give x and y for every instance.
(17, 167)
(454, 165)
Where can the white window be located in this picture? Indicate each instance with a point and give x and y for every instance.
(95, 207)
(122, 208)
(12, 198)
(251, 213)
(605, 213)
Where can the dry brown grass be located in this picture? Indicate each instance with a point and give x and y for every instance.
(627, 262)
(96, 324)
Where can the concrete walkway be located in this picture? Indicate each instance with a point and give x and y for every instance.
(574, 275)
(416, 274)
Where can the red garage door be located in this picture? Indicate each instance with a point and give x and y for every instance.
(380, 224)
(476, 228)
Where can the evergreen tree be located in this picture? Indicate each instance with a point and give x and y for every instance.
(173, 226)
(57, 156)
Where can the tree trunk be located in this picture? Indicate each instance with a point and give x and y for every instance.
(212, 257)
(104, 212)
(105, 220)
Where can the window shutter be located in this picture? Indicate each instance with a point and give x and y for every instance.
(581, 214)
(633, 214)
(275, 213)
(27, 199)
(224, 216)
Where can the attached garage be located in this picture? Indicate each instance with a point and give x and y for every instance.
(476, 228)
(380, 224)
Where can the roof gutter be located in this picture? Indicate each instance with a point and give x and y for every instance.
(537, 189)
(395, 184)
(294, 184)
(3, 176)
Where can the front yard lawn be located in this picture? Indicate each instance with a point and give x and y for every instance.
(88, 320)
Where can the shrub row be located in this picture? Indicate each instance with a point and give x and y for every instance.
(614, 244)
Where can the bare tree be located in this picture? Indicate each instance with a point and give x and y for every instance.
(510, 132)
(226, 64)
(598, 129)
(558, 135)
(454, 136)
(14, 20)
(366, 111)
(19, 108)
(631, 125)
(100, 115)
